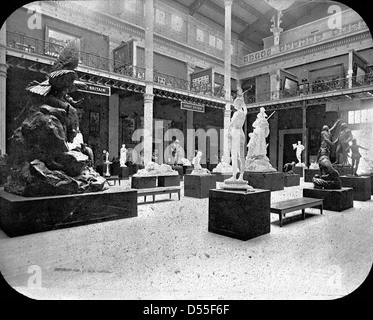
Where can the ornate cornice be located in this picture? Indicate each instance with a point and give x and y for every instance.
(318, 40)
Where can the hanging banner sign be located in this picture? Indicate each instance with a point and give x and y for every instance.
(96, 89)
(192, 107)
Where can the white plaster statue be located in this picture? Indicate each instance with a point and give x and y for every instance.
(198, 170)
(236, 138)
(256, 159)
(123, 156)
(236, 145)
(155, 169)
(299, 151)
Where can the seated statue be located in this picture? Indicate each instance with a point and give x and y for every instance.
(198, 170)
(328, 177)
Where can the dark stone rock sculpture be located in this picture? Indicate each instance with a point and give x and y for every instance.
(41, 162)
(328, 177)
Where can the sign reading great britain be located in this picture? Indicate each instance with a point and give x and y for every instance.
(96, 89)
(192, 107)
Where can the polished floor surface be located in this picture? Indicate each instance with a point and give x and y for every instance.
(167, 253)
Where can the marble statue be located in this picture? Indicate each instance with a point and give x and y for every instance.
(256, 158)
(328, 177)
(344, 138)
(42, 155)
(355, 155)
(155, 169)
(123, 156)
(198, 170)
(176, 153)
(299, 149)
(236, 145)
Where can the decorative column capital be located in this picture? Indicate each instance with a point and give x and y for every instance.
(228, 3)
(148, 97)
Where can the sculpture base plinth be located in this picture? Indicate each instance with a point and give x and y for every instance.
(361, 186)
(180, 171)
(298, 170)
(26, 215)
(144, 182)
(238, 214)
(242, 185)
(371, 181)
(265, 180)
(343, 170)
(309, 174)
(291, 180)
(124, 173)
(198, 186)
(334, 199)
(220, 177)
(168, 181)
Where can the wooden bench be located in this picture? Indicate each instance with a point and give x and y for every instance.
(112, 178)
(283, 207)
(158, 190)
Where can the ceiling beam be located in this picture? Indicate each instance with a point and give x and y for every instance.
(195, 6)
(244, 5)
(221, 11)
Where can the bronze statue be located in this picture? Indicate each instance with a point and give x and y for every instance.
(42, 162)
(328, 177)
(344, 138)
(327, 141)
(355, 155)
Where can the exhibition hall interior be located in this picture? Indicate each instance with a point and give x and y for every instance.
(186, 150)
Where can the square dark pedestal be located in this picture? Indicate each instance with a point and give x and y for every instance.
(198, 186)
(342, 169)
(298, 170)
(265, 180)
(168, 181)
(238, 214)
(309, 174)
(180, 171)
(371, 181)
(291, 180)
(334, 199)
(26, 215)
(187, 169)
(220, 177)
(143, 182)
(361, 186)
(124, 172)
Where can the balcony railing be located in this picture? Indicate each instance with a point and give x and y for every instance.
(317, 87)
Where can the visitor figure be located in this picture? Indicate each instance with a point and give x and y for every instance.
(328, 177)
(344, 137)
(236, 138)
(299, 151)
(327, 137)
(123, 156)
(288, 167)
(355, 155)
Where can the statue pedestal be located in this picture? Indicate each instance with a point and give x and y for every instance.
(309, 174)
(298, 170)
(168, 181)
(26, 215)
(291, 180)
(343, 170)
(371, 181)
(106, 169)
(144, 182)
(334, 199)
(180, 170)
(198, 186)
(265, 180)
(187, 169)
(220, 177)
(124, 172)
(360, 185)
(239, 214)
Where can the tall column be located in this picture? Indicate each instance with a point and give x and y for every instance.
(3, 72)
(190, 134)
(114, 125)
(227, 75)
(148, 96)
(304, 133)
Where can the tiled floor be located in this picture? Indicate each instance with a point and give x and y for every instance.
(167, 253)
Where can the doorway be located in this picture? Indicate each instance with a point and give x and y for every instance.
(286, 152)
